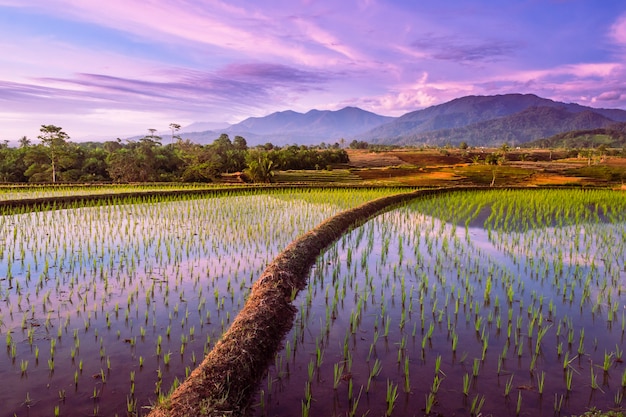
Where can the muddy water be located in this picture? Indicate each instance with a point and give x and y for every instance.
(117, 289)
(399, 289)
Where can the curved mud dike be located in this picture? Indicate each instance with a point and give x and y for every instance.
(226, 381)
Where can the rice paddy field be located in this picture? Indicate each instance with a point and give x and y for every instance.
(29, 191)
(464, 304)
(104, 310)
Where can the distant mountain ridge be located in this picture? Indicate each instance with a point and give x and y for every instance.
(476, 120)
(312, 127)
(527, 125)
(490, 120)
(290, 127)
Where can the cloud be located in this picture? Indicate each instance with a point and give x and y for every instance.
(242, 88)
(408, 97)
(453, 48)
(618, 30)
(222, 60)
(587, 83)
(610, 96)
(254, 33)
(273, 73)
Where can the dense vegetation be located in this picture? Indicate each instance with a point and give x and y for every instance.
(612, 137)
(56, 159)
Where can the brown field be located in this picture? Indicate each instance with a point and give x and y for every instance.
(456, 167)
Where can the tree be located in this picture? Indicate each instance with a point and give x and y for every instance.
(55, 141)
(494, 160)
(260, 166)
(142, 161)
(199, 163)
(175, 128)
(356, 144)
(24, 142)
(504, 149)
(230, 157)
(12, 166)
(240, 143)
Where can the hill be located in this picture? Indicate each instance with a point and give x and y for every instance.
(476, 120)
(613, 136)
(490, 120)
(313, 127)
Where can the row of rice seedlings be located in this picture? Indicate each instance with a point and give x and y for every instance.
(28, 191)
(407, 291)
(120, 302)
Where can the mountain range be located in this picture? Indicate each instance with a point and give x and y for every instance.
(289, 127)
(475, 120)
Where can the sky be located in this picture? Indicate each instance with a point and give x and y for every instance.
(106, 69)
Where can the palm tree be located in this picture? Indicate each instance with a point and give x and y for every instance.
(260, 166)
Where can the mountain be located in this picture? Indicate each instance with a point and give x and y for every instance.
(204, 126)
(529, 124)
(477, 120)
(490, 120)
(613, 136)
(313, 127)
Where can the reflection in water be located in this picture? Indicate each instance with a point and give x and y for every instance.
(103, 308)
(454, 317)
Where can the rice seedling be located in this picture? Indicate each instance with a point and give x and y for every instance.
(466, 384)
(608, 361)
(23, 366)
(508, 385)
(430, 402)
(558, 403)
(375, 371)
(311, 370)
(391, 397)
(337, 375)
(477, 404)
(407, 379)
(475, 367)
(594, 379)
(541, 382)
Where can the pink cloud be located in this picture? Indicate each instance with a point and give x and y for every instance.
(609, 96)
(238, 58)
(618, 30)
(214, 23)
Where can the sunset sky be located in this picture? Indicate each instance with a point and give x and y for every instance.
(114, 68)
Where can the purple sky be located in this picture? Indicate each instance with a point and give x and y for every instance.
(118, 67)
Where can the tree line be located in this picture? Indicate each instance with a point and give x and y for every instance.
(56, 159)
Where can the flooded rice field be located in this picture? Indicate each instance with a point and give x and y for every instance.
(103, 310)
(466, 304)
